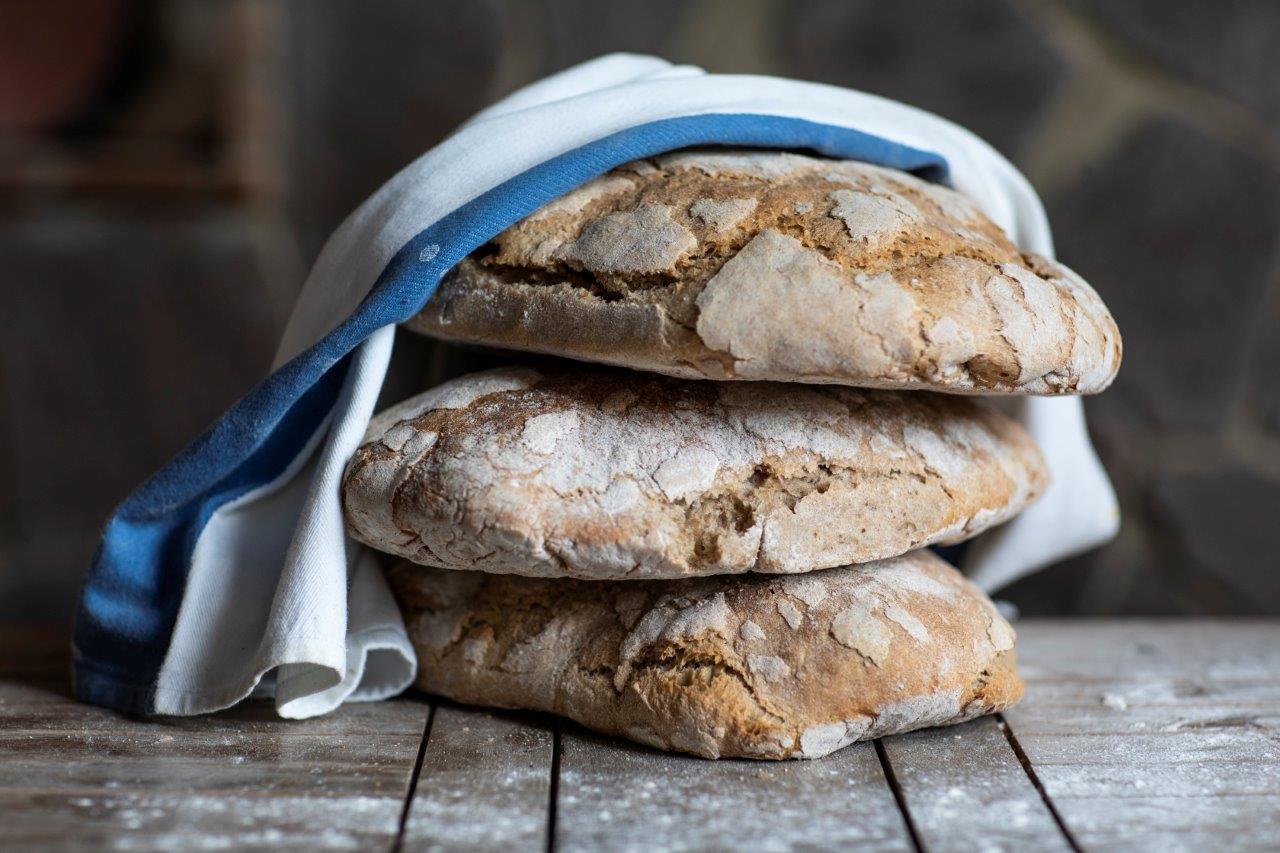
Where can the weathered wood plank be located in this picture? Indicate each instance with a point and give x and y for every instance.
(1191, 695)
(75, 777)
(614, 796)
(1212, 650)
(133, 819)
(45, 706)
(1233, 744)
(1173, 823)
(1155, 735)
(965, 787)
(485, 782)
(349, 765)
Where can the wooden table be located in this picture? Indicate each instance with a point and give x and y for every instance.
(1133, 735)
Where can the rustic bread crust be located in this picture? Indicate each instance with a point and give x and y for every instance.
(776, 266)
(605, 474)
(752, 666)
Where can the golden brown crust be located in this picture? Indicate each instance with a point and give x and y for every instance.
(750, 666)
(776, 266)
(605, 474)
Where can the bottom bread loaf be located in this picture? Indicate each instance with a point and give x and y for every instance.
(748, 666)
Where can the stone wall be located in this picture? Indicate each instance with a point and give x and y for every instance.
(153, 238)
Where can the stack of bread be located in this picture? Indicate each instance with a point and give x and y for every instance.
(724, 550)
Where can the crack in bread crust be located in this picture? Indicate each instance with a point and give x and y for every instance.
(678, 664)
(821, 271)
(605, 474)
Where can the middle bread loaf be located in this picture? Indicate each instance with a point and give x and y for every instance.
(606, 474)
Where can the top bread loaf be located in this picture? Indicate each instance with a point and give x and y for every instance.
(770, 265)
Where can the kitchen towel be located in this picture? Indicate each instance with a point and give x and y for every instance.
(228, 574)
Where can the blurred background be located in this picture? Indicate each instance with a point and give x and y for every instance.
(168, 171)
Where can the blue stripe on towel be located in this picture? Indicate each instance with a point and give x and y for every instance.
(134, 587)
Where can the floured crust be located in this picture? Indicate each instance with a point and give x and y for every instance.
(604, 474)
(777, 266)
(752, 666)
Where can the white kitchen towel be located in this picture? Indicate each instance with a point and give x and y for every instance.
(228, 572)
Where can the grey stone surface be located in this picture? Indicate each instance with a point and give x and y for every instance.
(1070, 588)
(1054, 591)
(1177, 231)
(111, 305)
(578, 30)
(1264, 365)
(370, 87)
(1229, 45)
(980, 63)
(1140, 572)
(1225, 524)
(8, 488)
(122, 337)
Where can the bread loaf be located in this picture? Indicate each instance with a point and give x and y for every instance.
(777, 266)
(750, 666)
(607, 474)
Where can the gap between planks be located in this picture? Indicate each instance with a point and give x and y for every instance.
(957, 784)
(554, 796)
(898, 797)
(1166, 672)
(1035, 781)
(1160, 730)
(1093, 687)
(918, 800)
(484, 781)
(398, 844)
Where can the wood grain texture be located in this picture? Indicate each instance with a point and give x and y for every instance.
(964, 783)
(75, 777)
(1144, 735)
(1155, 734)
(617, 796)
(485, 782)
